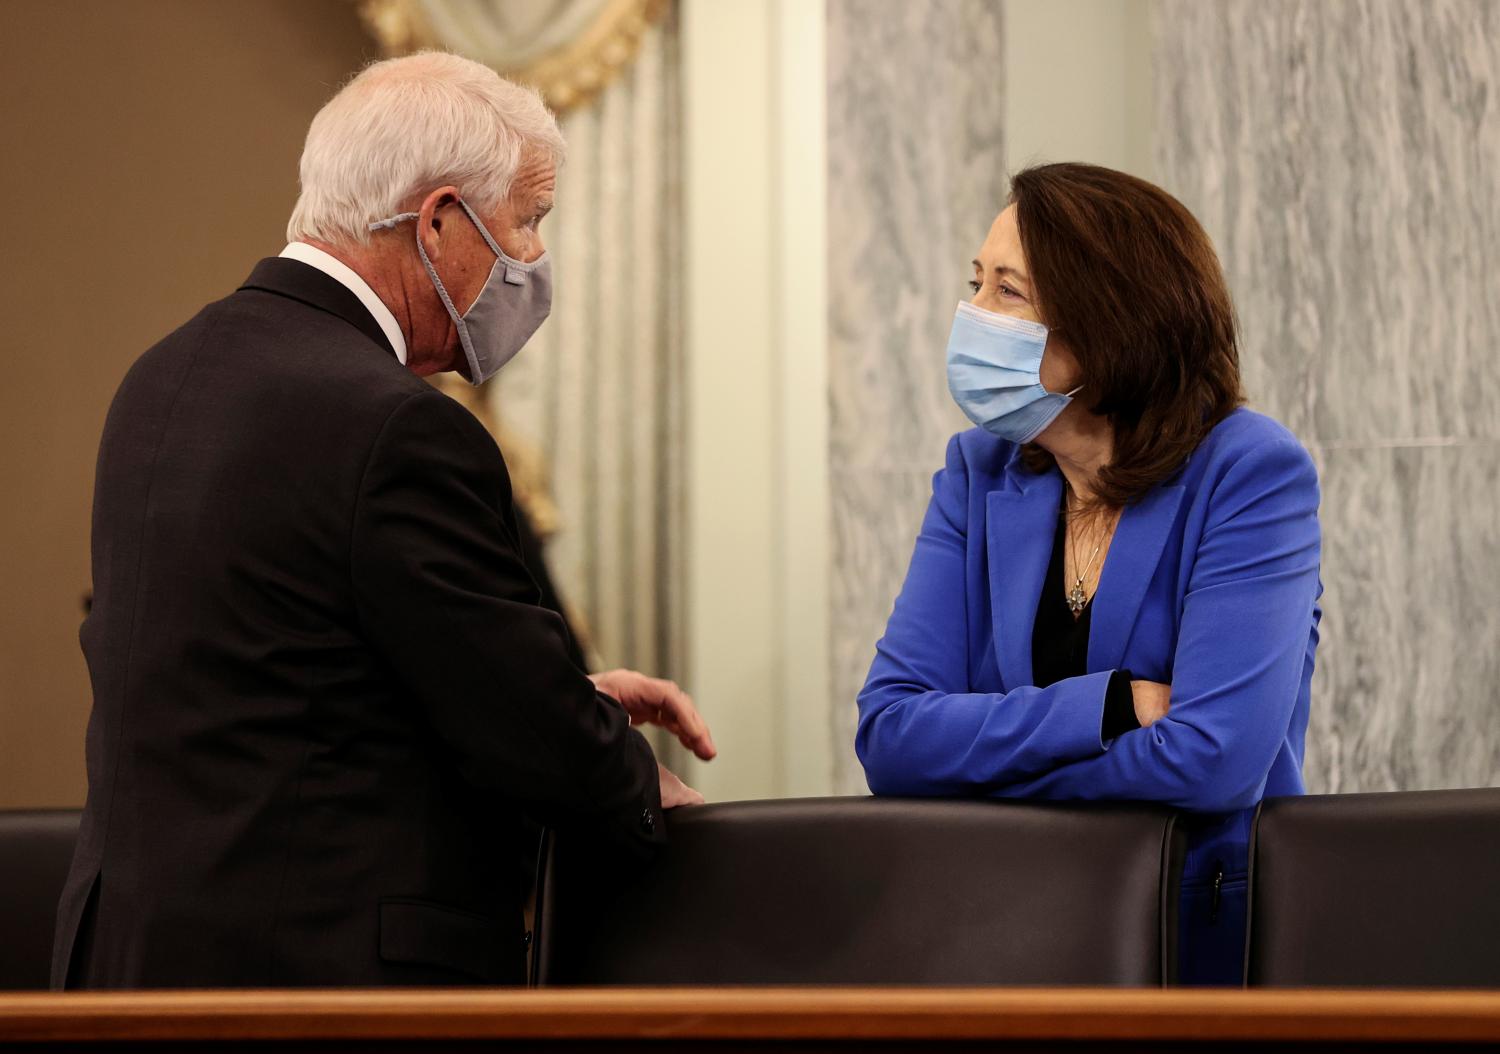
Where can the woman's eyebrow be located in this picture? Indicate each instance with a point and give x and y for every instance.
(1002, 271)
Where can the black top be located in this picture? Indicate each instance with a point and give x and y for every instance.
(1060, 645)
(324, 689)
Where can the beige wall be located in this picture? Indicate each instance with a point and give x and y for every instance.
(755, 172)
(1078, 83)
(150, 159)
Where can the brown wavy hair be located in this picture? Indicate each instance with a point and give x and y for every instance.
(1130, 281)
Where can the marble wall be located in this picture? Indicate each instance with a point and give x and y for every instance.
(1345, 157)
(916, 175)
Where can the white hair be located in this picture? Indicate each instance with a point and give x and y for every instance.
(406, 126)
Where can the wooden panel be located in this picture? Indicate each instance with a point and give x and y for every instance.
(735, 1017)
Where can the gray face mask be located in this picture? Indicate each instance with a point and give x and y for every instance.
(515, 300)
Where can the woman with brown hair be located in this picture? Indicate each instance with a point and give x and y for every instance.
(1114, 594)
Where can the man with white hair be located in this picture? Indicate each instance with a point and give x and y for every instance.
(324, 694)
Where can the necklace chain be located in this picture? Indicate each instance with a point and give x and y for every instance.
(1076, 597)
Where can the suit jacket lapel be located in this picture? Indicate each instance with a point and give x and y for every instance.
(1133, 555)
(1020, 524)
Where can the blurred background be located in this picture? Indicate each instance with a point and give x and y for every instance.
(726, 433)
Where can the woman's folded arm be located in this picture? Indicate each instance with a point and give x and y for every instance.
(921, 731)
(920, 742)
(1242, 647)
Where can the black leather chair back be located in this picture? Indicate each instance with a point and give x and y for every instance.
(1398, 890)
(36, 847)
(872, 891)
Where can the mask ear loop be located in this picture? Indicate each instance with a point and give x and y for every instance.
(484, 232)
(511, 263)
(458, 321)
(385, 225)
(390, 224)
(1057, 329)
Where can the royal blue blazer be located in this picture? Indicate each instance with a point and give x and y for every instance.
(1210, 584)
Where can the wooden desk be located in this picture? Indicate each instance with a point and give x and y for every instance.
(785, 1020)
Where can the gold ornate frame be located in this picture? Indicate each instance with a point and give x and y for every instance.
(568, 76)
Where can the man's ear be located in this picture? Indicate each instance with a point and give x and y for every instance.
(430, 219)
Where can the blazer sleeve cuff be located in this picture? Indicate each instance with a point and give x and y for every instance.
(639, 821)
(1119, 707)
(1078, 710)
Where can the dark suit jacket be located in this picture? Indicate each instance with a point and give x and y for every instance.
(323, 689)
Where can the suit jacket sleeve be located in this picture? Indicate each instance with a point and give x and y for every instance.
(1242, 646)
(921, 731)
(443, 594)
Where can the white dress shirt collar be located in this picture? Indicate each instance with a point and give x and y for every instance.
(342, 273)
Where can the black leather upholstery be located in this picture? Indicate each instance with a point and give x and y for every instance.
(1376, 889)
(35, 848)
(873, 891)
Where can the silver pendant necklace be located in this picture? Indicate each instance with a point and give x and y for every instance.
(1076, 597)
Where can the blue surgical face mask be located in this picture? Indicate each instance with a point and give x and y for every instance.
(994, 373)
(514, 301)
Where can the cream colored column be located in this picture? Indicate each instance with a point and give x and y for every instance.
(800, 356)
(756, 351)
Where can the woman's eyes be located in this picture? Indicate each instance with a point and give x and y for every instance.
(1006, 291)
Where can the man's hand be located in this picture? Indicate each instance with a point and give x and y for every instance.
(673, 791)
(651, 701)
(1152, 701)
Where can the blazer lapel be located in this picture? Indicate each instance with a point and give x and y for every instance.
(1133, 555)
(1020, 525)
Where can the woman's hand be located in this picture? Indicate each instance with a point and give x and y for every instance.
(650, 701)
(1152, 701)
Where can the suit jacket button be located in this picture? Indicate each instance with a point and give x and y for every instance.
(648, 822)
